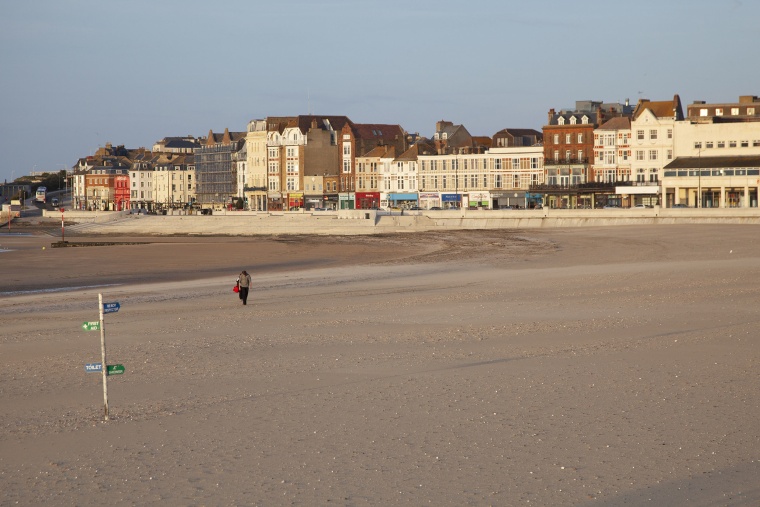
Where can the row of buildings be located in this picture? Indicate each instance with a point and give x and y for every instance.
(592, 155)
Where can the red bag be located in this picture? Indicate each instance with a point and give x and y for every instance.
(236, 289)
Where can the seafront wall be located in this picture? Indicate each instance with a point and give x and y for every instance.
(364, 222)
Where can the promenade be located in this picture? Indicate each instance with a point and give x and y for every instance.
(368, 222)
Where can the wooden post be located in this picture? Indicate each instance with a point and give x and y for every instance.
(103, 356)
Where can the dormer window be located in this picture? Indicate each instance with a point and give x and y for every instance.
(561, 120)
(573, 120)
(445, 135)
(584, 120)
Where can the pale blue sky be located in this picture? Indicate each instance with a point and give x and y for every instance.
(76, 74)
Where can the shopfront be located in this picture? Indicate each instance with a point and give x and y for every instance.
(295, 201)
(367, 200)
(429, 200)
(451, 200)
(346, 201)
(478, 200)
(398, 200)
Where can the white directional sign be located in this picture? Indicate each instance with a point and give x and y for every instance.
(90, 367)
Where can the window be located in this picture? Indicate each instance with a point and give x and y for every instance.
(708, 144)
(670, 154)
(697, 145)
(756, 142)
(497, 181)
(497, 164)
(580, 156)
(640, 135)
(556, 155)
(745, 144)
(561, 121)
(573, 120)
(567, 138)
(568, 155)
(670, 133)
(639, 154)
(703, 112)
(721, 144)
(718, 111)
(732, 144)
(735, 111)
(652, 154)
(556, 138)
(750, 111)
(653, 134)
(580, 138)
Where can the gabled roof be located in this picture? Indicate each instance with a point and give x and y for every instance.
(180, 143)
(377, 131)
(381, 151)
(618, 123)
(226, 137)
(661, 108)
(520, 132)
(304, 122)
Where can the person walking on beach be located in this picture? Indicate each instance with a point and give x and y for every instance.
(244, 283)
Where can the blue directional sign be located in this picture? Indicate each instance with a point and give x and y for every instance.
(111, 307)
(97, 367)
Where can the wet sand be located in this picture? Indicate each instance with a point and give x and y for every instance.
(604, 366)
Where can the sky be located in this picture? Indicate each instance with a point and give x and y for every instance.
(77, 74)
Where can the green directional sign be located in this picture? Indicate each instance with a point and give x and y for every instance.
(91, 326)
(115, 369)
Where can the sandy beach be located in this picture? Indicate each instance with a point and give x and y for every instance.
(586, 366)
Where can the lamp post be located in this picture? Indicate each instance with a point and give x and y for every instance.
(699, 176)
(456, 178)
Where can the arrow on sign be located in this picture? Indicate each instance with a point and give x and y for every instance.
(115, 369)
(111, 307)
(91, 326)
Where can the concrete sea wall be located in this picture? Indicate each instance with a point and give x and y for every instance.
(362, 222)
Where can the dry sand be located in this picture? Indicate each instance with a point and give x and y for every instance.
(600, 366)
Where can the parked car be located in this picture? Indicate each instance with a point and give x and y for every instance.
(642, 206)
(415, 208)
(680, 205)
(435, 208)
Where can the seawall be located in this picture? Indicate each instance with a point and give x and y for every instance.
(363, 222)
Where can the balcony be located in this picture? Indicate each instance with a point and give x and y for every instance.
(565, 161)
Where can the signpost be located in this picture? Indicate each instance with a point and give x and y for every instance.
(99, 325)
(63, 235)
